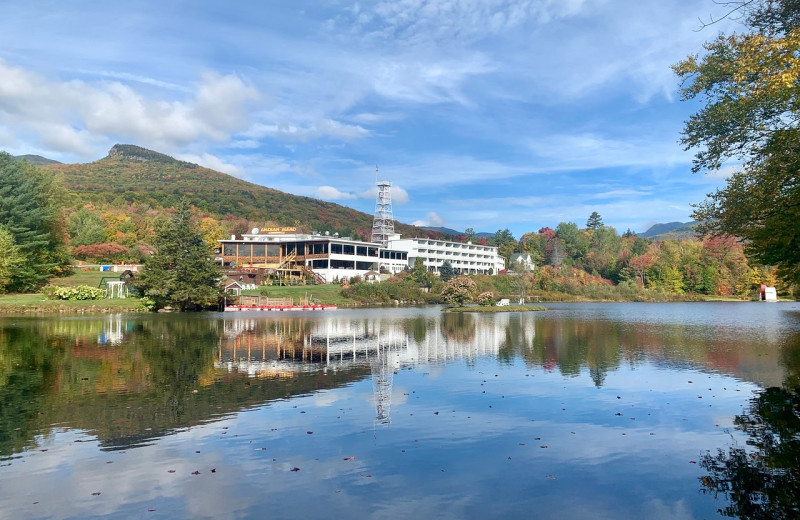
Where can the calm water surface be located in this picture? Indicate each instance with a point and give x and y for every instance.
(582, 411)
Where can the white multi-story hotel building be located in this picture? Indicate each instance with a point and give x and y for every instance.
(335, 258)
(466, 258)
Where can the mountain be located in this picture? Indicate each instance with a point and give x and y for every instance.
(445, 230)
(133, 175)
(670, 230)
(455, 233)
(37, 160)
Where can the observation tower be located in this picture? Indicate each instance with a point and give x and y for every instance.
(382, 222)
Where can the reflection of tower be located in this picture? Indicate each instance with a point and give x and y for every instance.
(382, 376)
(383, 222)
(112, 332)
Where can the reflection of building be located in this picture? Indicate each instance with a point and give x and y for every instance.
(114, 329)
(282, 347)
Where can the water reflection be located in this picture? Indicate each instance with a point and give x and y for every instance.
(131, 379)
(578, 412)
(761, 478)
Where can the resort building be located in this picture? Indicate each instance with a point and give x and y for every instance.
(465, 258)
(330, 258)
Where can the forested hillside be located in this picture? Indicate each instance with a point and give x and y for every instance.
(131, 176)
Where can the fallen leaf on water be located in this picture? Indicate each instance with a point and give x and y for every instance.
(551, 477)
(96, 493)
(170, 471)
(543, 446)
(195, 472)
(309, 432)
(352, 458)
(295, 468)
(213, 470)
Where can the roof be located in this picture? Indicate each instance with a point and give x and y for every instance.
(520, 256)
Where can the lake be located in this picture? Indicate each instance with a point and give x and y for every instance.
(626, 410)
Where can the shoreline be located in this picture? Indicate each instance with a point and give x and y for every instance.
(36, 304)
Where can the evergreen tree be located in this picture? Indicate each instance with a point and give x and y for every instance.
(11, 261)
(595, 221)
(29, 212)
(446, 272)
(181, 273)
(470, 235)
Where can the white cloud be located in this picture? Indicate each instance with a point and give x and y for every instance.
(724, 172)
(590, 151)
(398, 194)
(432, 219)
(320, 128)
(81, 118)
(331, 193)
(210, 161)
(140, 79)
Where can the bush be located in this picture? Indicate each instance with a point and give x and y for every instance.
(485, 298)
(110, 252)
(459, 290)
(384, 292)
(81, 292)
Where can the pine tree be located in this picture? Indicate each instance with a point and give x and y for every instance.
(181, 273)
(595, 221)
(446, 272)
(29, 212)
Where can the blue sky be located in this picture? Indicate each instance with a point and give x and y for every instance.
(483, 113)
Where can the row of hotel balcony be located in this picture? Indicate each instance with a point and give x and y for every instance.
(452, 245)
(454, 253)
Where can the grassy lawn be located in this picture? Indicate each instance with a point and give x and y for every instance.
(90, 277)
(327, 294)
(32, 303)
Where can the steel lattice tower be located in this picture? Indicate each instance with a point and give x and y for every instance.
(383, 222)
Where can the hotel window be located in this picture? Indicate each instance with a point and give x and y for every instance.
(229, 249)
(258, 249)
(273, 250)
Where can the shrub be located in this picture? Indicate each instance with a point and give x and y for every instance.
(109, 252)
(459, 290)
(485, 298)
(81, 292)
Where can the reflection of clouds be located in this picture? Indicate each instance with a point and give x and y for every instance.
(129, 483)
(494, 397)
